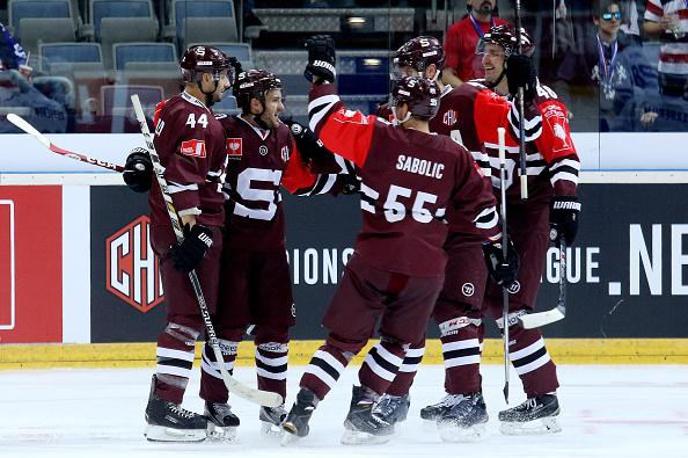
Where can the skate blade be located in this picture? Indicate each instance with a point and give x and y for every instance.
(156, 433)
(222, 434)
(451, 432)
(354, 437)
(268, 429)
(547, 425)
(289, 435)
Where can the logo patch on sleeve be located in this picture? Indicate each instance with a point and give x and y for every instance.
(557, 122)
(235, 148)
(193, 148)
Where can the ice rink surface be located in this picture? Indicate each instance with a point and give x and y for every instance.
(607, 412)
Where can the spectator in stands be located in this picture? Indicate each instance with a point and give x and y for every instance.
(668, 21)
(604, 70)
(655, 112)
(12, 55)
(462, 39)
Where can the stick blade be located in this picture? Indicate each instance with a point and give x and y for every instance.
(537, 320)
(22, 124)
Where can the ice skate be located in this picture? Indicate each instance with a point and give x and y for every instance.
(222, 422)
(295, 426)
(465, 422)
(536, 415)
(435, 411)
(271, 419)
(392, 409)
(361, 426)
(168, 422)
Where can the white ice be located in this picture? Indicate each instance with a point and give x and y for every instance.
(607, 412)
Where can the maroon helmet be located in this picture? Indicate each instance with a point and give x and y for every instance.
(419, 53)
(420, 94)
(204, 59)
(506, 37)
(254, 84)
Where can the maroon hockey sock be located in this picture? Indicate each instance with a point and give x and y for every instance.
(326, 365)
(407, 372)
(175, 355)
(271, 367)
(461, 354)
(213, 388)
(381, 365)
(532, 361)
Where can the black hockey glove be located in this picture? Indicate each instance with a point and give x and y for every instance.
(313, 153)
(188, 255)
(138, 170)
(350, 184)
(503, 271)
(520, 72)
(321, 58)
(563, 219)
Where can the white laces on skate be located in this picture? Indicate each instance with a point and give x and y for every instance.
(530, 403)
(450, 400)
(181, 412)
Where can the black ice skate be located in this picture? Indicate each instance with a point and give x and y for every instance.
(361, 426)
(168, 422)
(222, 422)
(392, 409)
(435, 411)
(465, 422)
(272, 419)
(295, 426)
(536, 415)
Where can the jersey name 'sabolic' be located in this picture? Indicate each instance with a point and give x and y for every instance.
(191, 146)
(409, 180)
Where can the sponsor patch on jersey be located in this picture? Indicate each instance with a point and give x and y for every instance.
(193, 148)
(556, 120)
(235, 148)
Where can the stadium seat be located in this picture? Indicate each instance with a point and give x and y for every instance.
(101, 9)
(142, 52)
(69, 53)
(165, 74)
(22, 9)
(45, 30)
(216, 11)
(228, 105)
(125, 30)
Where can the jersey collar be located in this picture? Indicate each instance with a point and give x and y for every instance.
(193, 100)
(263, 134)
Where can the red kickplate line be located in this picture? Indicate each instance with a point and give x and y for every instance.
(7, 272)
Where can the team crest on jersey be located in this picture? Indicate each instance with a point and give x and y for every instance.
(263, 150)
(234, 148)
(449, 118)
(193, 148)
(556, 119)
(285, 153)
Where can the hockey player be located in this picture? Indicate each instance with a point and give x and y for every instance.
(191, 146)
(471, 114)
(410, 179)
(458, 310)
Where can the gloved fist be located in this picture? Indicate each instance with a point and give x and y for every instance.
(503, 271)
(321, 58)
(313, 152)
(563, 219)
(189, 254)
(520, 72)
(138, 170)
(350, 184)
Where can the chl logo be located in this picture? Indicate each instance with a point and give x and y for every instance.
(133, 270)
(449, 118)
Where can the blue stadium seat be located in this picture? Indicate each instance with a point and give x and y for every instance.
(118, 8)
(215, 9)
(142, 52)
(228, 105)
(116, 100)
(22, 9)
(71, 53)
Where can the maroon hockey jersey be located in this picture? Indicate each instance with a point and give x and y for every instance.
(409, 180)
(191, 146)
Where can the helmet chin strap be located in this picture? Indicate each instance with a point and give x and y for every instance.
(258, 118)
(209, 101)
(400, 121)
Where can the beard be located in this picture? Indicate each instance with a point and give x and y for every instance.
(485, 8)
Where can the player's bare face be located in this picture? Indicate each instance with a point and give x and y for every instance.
(222, 85)
(274, 105)
(493, 62)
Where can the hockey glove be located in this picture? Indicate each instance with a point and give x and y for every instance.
(520, 72)
(313, 153)
(503, 271)
(350, 184)
(563, 219)
(189, 254)
(138, 170)
(321, 58)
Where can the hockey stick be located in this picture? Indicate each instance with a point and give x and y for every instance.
(501, 132)
(264, 398)
(22, 124)
(536, 320)
(521, 109)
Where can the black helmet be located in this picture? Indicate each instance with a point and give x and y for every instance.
(420, 94)
(505, 36)
(254, 84)
(205, 59)
(419, 53)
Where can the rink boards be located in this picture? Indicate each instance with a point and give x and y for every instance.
(76, 267)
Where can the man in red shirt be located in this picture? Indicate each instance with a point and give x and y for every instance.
(463, 63)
